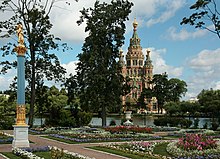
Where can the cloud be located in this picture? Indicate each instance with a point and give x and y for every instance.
(64, 20)
(70, 67)
(169, 7)
(184, 34)
(160, 65)
(206, 68)
(206, 59)
(217, 85)
(6, 80)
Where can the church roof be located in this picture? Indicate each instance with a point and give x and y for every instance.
(135, 40)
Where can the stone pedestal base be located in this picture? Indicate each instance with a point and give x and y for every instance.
(20, 136)
(128, 117)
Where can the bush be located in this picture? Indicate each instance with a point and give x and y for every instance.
(215, 125)
(174, 122)
(66, 120)
(84, 118)
(163, 121)
(6, 122)
(112, 123)
(186, 123)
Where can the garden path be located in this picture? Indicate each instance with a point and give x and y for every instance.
(77, 148)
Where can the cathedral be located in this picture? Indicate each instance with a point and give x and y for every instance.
(140, 70)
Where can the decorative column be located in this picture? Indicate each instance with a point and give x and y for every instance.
(20, 128)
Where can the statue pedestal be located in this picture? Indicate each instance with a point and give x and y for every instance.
(20, 136)
(128, 117)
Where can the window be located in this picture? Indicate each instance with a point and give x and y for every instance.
(135, 72)
(135, 62)
(128, 63)
(140, 62)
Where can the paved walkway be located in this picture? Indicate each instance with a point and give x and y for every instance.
(77, 148)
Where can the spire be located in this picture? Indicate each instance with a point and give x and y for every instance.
(135, 40)
(148, 61)
(121, 57)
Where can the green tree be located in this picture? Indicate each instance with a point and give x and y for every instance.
(57, 101)
(40, 63)
(206, 13)
(41, 99)
(161, 89)
(99, 77)
(177, 88)
(172, 108)
(72, 93)
(7, 111)
(146, 95)
(210, 101)
(166, 90)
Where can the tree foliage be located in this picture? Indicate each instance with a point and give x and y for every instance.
(99, 77)
(210, 101)
(146, 94)
(40, 62)
(166, 90)
(160, 89)
(206, 13)
(177, 88)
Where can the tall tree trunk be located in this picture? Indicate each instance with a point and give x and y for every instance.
(31, 114)
(103, 115)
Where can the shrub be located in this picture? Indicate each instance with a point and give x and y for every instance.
(186, 123)
(112, 123)
(66, 120)
(161, 121)
(6, 122)
(84, 118)
(215, 125)
(174, 122)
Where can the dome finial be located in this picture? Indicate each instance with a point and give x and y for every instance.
(135, 24)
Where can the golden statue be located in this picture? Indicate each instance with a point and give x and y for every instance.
(20, 34)
(20, 111)
(20, 49)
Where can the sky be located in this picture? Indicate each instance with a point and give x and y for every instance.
(183, 52)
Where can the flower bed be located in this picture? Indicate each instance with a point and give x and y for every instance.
(141, 148)
(27, 153)
(192, 146)
(5, 138)
(195, 145)
(126, 129)
(85, 138)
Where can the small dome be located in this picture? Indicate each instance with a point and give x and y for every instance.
(135, 23)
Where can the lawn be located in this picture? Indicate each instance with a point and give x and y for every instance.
(10, 155)
(120, 153)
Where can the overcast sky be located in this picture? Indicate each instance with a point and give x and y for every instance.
(192, 55)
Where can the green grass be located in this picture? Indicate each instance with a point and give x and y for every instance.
(160, 149)
(120, 153)
(10, 155)
(45, 155)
